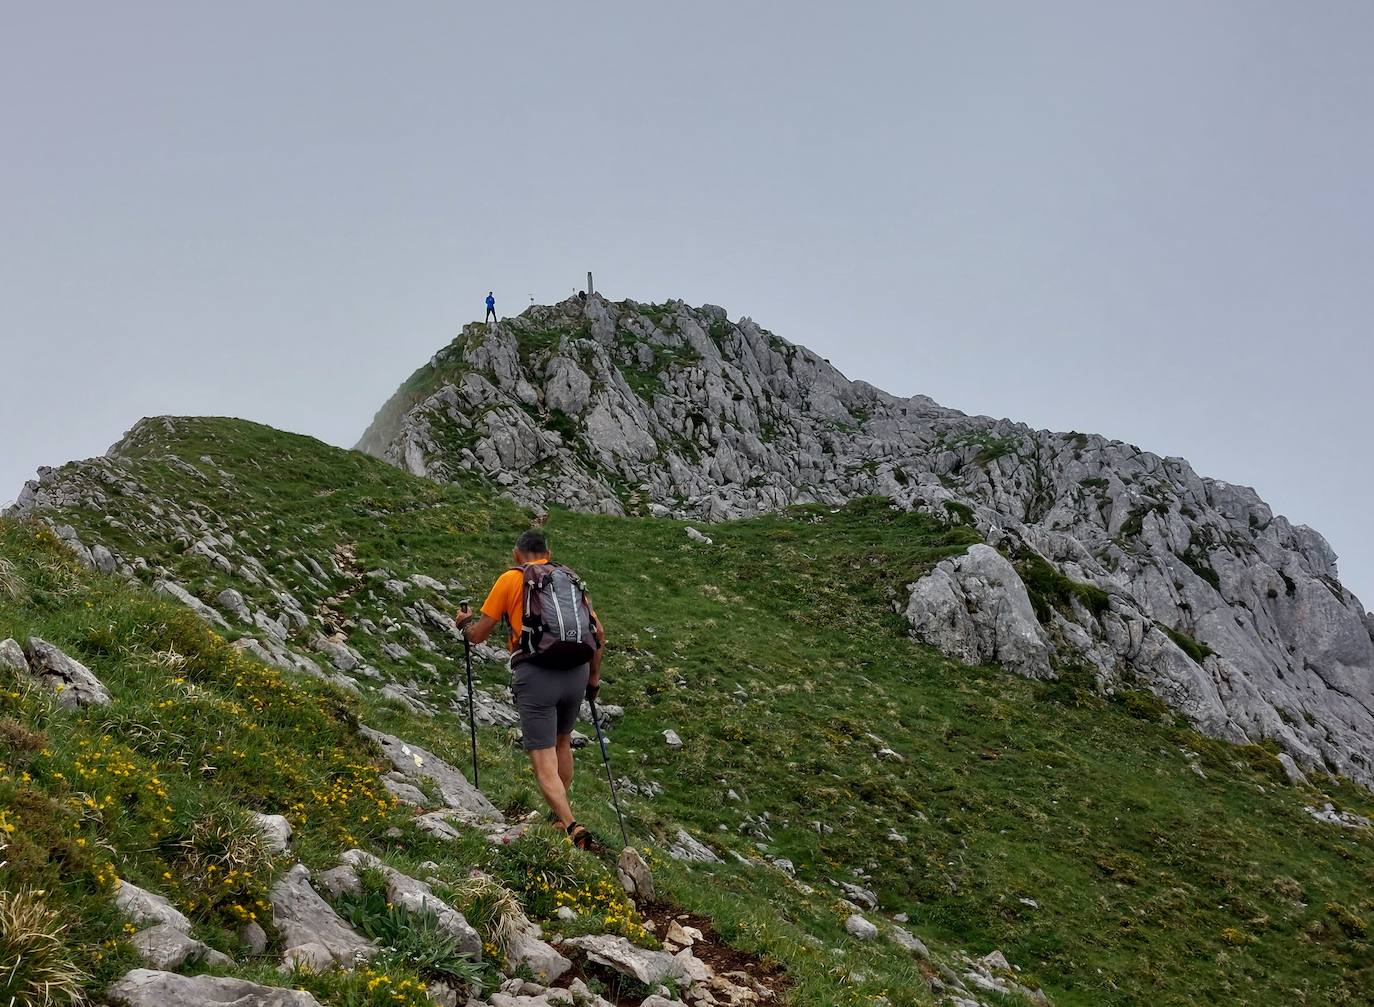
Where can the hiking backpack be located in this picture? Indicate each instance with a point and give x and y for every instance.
(556, 625)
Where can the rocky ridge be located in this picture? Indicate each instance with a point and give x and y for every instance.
(1145, 572)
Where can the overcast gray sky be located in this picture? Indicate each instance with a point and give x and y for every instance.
(1152, 221)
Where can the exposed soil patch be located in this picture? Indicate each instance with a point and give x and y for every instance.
(750, 972)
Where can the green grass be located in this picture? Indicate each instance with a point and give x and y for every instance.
(778, 656)
(1195, 649)
(1051, 591)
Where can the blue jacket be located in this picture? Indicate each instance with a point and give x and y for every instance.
(491, 301)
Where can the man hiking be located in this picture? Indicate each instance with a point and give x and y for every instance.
(555, 645)
(491, 308)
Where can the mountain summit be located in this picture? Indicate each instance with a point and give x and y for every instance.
(1104, 557)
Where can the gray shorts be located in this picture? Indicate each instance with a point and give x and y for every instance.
(548, 701)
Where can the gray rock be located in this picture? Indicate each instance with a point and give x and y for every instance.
(153, 988)
(408, 698)
(419, 764)
(1291, 770)
(303, 918)
(69, 679)
(634, 875)
(909, 942)
(688, 848)
(275, 829)
(858, 927)
(649, 967)
(670, 737)
(12, 658)
(975, 608)
(697, 536)
(232, 602)
(176, 592)
(66, 534)
(440, 825)
(542, 959)
(338, 881)
(405, 792)
(395, 651)
(102, 559)
(165, 947)
(341, 655)
(254, 938)
(860, 895)
(1328, 814)
(995, 960)
(145, 908)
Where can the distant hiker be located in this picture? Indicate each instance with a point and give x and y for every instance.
(491, 308)
(555, 645)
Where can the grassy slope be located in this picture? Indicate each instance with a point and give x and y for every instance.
(774, 653)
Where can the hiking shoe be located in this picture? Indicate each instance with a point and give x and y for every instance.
(581, 837)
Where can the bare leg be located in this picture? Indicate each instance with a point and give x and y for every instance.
(546, 774)
(565, 760)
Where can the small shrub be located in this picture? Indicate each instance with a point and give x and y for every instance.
(1144, 705)
(1049, 589)
(222, 865)
(1195, 649)
(960, 513)
(1347, 920)
(1197, 561)
(35, 965)
(18, 739)
(1075, 687)
(373, 985)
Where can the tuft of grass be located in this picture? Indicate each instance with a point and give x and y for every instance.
(1050, 590)
(414, 938)
(960, 513)
(491, 909)
(11, 585)
(36, 968)
(1195, 649)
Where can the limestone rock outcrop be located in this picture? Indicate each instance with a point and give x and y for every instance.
(70, 681)
(155, 988)
(312, 933)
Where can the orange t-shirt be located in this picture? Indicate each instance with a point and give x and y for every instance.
(507, 598)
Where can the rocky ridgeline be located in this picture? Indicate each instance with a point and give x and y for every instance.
(1126, 562)
(298, 608)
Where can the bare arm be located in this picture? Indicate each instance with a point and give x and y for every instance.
(476, 632)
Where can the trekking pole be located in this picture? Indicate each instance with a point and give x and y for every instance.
(606, 758)
(472, 718)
